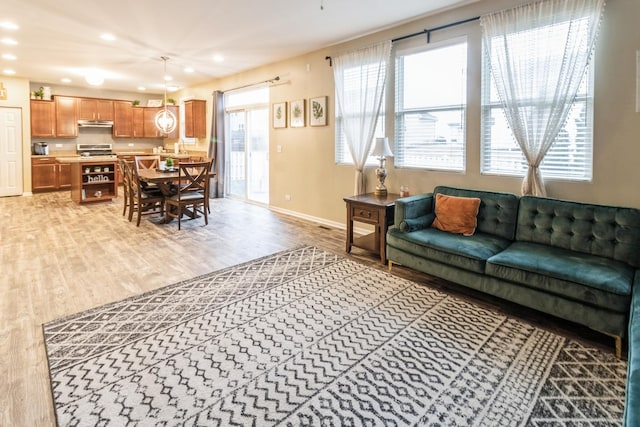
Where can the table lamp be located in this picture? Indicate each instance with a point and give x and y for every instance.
(382, 151)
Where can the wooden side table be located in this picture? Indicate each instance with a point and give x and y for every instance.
(375, 210)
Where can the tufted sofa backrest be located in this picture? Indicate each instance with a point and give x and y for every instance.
(498, 211)
(608, 231)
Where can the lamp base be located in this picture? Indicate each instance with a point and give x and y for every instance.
(380, 192)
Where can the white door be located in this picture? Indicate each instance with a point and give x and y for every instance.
(10, 152)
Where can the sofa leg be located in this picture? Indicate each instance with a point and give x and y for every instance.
(390, 265)
(618, 347)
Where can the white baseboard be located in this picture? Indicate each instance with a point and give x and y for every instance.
(322, 221)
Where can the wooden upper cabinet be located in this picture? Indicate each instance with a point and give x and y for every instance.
(43, 119)
(122, 119)
(195, 125)
(95, 109)
(66, 116)
(176, 132)
(150, 130)
(138, 121)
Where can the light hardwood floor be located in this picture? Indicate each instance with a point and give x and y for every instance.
(59, 258)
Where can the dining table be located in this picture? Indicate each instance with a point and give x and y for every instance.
(164, 179)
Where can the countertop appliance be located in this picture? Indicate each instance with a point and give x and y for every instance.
(88, 150)
(41, 148)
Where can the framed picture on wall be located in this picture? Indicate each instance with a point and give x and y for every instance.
(318, 111)
(279, 115)
(296, 113)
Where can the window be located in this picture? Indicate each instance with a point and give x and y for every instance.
(570, 156)
(431, 92)
(343, 156)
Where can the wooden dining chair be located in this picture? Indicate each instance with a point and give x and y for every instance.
(193, 192)
(147, 162)
(210, 161)
(141, 201)
(126, 184)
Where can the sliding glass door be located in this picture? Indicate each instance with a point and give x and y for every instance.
(248, 145)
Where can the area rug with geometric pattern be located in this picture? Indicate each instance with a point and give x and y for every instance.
(305, 337)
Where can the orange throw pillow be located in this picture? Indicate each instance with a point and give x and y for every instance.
(456, 214)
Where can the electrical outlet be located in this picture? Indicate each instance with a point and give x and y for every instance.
(130, 144)
(279, 148)
(287, 196)
(58, 145)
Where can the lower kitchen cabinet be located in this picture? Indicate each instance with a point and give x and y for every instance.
(49, 175)
(93, 181)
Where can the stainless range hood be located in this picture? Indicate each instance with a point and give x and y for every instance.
(95, 123)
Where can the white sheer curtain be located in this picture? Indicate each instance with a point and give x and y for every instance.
(360, 77)
(538, 54)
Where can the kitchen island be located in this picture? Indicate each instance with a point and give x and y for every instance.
(93, 179)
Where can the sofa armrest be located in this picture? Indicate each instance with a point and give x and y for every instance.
(632, 401)
(412, 208)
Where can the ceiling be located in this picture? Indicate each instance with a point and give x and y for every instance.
(62, 39)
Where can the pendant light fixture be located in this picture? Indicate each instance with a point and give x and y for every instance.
(165, 120)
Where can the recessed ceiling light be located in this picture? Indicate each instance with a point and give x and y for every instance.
(9, 56)
(188, 70)
(168, 78)
(218, 58)
(9, 72)
(108, 37)
(8, 25)
(65, 80)
(142, 88)
(9, 41)
(172, 88)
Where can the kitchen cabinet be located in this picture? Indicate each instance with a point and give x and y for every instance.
(138, 122)
(195, 118)
(93, 181)
(43, 119)
(66, 116)
(150, 130)
(49, 175)
(95, 109)
(176, 132)
(64, 176)
(145, 126)
(122, 119)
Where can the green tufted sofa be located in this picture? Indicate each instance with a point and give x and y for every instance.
(572, 260)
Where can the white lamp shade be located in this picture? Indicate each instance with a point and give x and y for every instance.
(381, 148)
(165, 121)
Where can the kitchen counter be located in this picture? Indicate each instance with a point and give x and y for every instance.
(82, 159)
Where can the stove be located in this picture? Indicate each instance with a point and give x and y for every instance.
(90, 150)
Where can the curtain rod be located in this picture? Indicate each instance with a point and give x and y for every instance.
(419, 33)
(429, 31)
(275, 79)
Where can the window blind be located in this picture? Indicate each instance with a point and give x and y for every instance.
(430, 107)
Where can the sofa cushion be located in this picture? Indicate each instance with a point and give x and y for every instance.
(497, 214)
(456, 214)
(607, 231)
(467, 252)
(582, 277)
